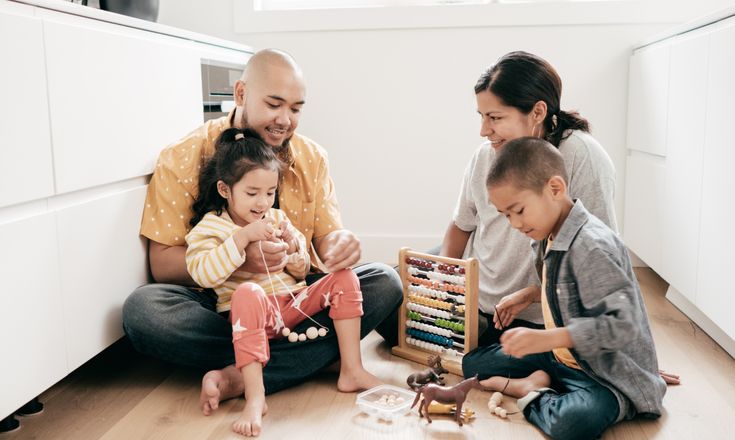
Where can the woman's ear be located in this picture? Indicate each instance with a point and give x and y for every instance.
(539, 112)
(223, 189)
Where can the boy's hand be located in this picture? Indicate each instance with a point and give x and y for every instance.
(521, 341)
(511, 305)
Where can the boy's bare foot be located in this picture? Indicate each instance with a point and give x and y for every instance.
(219, 385)
(517, 387)
(250, 422)
(356, 380)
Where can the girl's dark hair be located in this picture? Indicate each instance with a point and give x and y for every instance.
(520, 80)
(236, 153)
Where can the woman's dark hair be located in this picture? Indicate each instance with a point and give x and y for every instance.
(520, 80)
(236, 153)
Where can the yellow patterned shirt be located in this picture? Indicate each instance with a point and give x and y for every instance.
(213, 259)
(306, 192)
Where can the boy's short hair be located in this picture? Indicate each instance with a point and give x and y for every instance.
(527, 163)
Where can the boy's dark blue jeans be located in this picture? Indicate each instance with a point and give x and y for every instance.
(580, 408)
(180, 325)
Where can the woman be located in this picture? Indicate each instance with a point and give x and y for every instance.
(519, 96)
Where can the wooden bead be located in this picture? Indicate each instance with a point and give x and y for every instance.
(293, 337)
(302, 337)
(286, 331)
(322, 332)
(312, 332)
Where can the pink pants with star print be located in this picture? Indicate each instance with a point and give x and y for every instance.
(257, 312)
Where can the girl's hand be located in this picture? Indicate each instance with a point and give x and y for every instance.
(522, 341)
(260, 230)
(288, 237)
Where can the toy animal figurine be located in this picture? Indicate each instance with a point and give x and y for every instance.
(456, 394)
(431, 374)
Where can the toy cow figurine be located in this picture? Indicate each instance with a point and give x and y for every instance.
(431, 374)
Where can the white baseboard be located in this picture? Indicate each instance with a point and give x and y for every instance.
(635, 259)
(384, 248)
(706, 324)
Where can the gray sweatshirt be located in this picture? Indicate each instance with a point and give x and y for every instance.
(593, 292)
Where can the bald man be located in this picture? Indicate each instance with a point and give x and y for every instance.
(175, 320)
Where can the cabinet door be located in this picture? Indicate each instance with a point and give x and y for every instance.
(648, 100)
(25, 168)
(682, 191)
(643, 187)
(31, 322)
(716, 256)
(117, 97)
(102, 260)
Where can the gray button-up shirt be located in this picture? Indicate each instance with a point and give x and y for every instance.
(593, 292)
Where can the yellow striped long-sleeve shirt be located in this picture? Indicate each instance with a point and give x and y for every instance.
(213, 259)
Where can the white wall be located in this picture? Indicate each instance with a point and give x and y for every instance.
(395, 108)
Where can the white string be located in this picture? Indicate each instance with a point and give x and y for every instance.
(273, 289)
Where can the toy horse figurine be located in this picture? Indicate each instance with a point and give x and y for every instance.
(456, 394)
(431, 374)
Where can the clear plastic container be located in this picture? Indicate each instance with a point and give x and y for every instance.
(376, 401)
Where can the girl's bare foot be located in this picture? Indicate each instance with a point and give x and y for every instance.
(356, 380)
(517, 387)
(219, 385)
(250, 422)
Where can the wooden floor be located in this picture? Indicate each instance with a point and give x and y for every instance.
(121, 395)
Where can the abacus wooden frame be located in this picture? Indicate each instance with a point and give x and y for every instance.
(413, 353)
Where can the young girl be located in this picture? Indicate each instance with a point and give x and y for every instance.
(237, 188)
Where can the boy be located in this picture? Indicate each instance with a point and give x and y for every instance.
(596, 351)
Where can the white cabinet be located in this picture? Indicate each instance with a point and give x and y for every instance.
(680, 192)
(116, 98)
(716, 257)
(648, 100)
(87, 107)
(32, 336)
(24, 123)
(643, 186)
(102, 260)
(682, 186)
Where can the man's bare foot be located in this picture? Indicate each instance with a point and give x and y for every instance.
(250, 422)
(219, 385)
(517, 387)
(356, 380)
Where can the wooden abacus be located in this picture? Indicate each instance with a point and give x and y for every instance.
(439, 310)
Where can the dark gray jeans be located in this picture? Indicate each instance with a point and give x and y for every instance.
(181, 325)
(581, 409)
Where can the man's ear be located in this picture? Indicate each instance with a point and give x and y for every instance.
(240, 93)
(558, 186)
(223, 189)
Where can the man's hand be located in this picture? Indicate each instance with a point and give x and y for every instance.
(273, 252)
(521, 341)
(511, 305)
(339, 249)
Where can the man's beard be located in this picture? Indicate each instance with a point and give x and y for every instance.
(278, 149)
